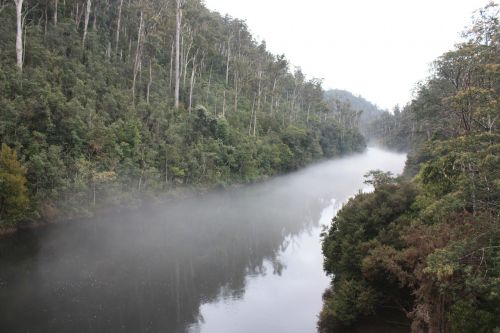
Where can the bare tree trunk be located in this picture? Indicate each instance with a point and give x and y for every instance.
(56, 3)
(235, 91)
(94, 23)
(19, 34)
(137, 55)
(191, 86)
(228, 59)
(272, 94)
(45, 25)
(171, 65)
(86, 22)
(177, 52)
(166, 166)
(251, 117)
(150, 82)
(255, 121)
(259, 90)
(108, 50)
(209, 84)
(224, 104)
(185, 61)
(118, 23)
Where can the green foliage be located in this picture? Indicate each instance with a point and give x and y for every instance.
(430, 247)
(79, 112)
(14, 200)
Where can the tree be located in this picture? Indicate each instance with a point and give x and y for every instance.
(86, 21)
(178, 20)
(13, 191)
(19, 34)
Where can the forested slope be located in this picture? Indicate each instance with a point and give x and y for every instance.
(366, 113)
(104, 101)
(428, 247)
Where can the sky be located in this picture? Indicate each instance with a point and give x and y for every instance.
(379, 49)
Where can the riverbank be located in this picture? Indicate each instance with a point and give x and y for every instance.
(54, 213)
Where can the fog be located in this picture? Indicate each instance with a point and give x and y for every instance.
(199, 264)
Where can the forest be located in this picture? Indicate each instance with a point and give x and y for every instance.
(106, 103)
(427, 244)
(113, 103)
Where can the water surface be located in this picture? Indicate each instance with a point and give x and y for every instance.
(246, 260)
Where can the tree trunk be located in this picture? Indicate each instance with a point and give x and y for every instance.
(150, 82)
(19, 34)
(224, 104)
(94, 23)
(171, 65)
(191, 85)
(228, 59)
(272, 94)
(118, 23)
(177, 52)
(251, 117)
(86, 22)
(259, 91)
(235, 91)
(56, 3)
(166, 166)
(137, 56)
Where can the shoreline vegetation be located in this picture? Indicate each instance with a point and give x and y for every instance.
(110, 103)
(427, 244)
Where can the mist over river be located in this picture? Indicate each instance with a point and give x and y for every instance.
(245, 260)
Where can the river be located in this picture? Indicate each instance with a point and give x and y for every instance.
(244, 260)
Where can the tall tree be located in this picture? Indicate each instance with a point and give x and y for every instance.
(19, 34)
(178, 17)
(118, 23)
(86, 21)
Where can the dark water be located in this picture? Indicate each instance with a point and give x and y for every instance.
(240, 261)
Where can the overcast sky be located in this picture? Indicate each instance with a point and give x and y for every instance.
(375, 48)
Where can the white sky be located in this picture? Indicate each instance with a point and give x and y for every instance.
(375, 48)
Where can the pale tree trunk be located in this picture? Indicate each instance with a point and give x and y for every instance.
(254, 122)
(94, 23)
(177, 52)
(150, 82)
(19, 34)
(86, 22)
(191, 87)
(184, 59)
(56, 3)
(171, 65)
(272, 94)
(228, 59)
(209, 84)
(224, 104)
(236, 91)
(137, 56)
(166, 166)
(251, 117)
(118, 23)
(259, 90)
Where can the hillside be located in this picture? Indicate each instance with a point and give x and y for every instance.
(108, 102)
(341, 99)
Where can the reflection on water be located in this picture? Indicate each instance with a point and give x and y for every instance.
(245, 260)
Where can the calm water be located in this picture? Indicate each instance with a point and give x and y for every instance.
(246, 260)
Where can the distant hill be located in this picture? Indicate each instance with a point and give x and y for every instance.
(369, 109)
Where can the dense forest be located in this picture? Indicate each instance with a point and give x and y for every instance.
(369, 116)
(427, 245)
(105, 102)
